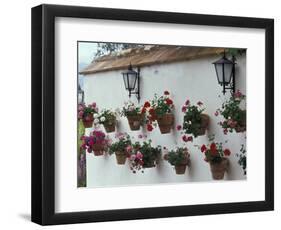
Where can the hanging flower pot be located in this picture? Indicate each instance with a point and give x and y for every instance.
(120, 158)
(97, 142)
(205, 119)
(159, 111)
(108, 119)
(88, 121)
(234, 116)
(134, 114)
(195, 122)
(144, 156)
(179, 158)
(135, 121)
(216, 156)
(121, 147)
(180, 169)
(241, 126)
(110, 126)
(98, 149)
(165, 122)
(218, 169)
(85, 113)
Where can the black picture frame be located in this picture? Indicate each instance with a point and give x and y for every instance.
(43, 114)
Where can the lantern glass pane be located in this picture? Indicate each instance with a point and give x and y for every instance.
(227, 73)
(219, 73)
(227, 69)
(132, 77)
(125, 79)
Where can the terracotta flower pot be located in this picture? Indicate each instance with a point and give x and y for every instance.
(120, 158)
(218, 169)
(241, 127)
(180, 169)
(88, 121)
(110, 126)
(205, 119)
(135, 121)
(165, 122)
(98, 149)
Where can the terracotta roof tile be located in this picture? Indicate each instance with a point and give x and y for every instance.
(148, 55)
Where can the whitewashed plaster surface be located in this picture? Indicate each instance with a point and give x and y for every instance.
(194, 80)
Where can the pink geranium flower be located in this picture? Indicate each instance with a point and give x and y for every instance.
(179, 127)
(139, 155)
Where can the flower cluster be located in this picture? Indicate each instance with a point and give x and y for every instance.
(159, 106)
(214, 152)
(242, 159)
(122, 144)
(86, 112)
(234, 116)
(96, 137)
(144, 156)
(179, 156)
(104, 117)
(130, 109)
(192, 120)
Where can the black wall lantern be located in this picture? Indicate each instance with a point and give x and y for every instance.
(80, 95)
(132, 81)
(225, 70)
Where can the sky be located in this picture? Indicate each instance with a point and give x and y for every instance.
(86, 52)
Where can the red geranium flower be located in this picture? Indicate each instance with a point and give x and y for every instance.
(226, 152)
(143, 110)
(166, 92)
(187, 102)
(152, 111)
(146, 104)
(213, 148)
(184, 138)
(190, 138)
(183, 109)
(149, 127)
(169, 101)
(203, 148)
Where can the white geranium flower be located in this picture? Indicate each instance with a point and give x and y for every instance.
(102, 119)
(96, 115)
(96, 121)
(131, 108)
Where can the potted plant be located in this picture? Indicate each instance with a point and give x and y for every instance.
(150, 154)
(216, 156)
(179, 158)
(242, 159)
(97, 142)
(122, 147)
(194, 121)
(134, 114)
(160, 110)
(234, 116)
(86, 114)
(108, 119)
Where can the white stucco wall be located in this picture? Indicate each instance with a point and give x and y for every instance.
(195, 80)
